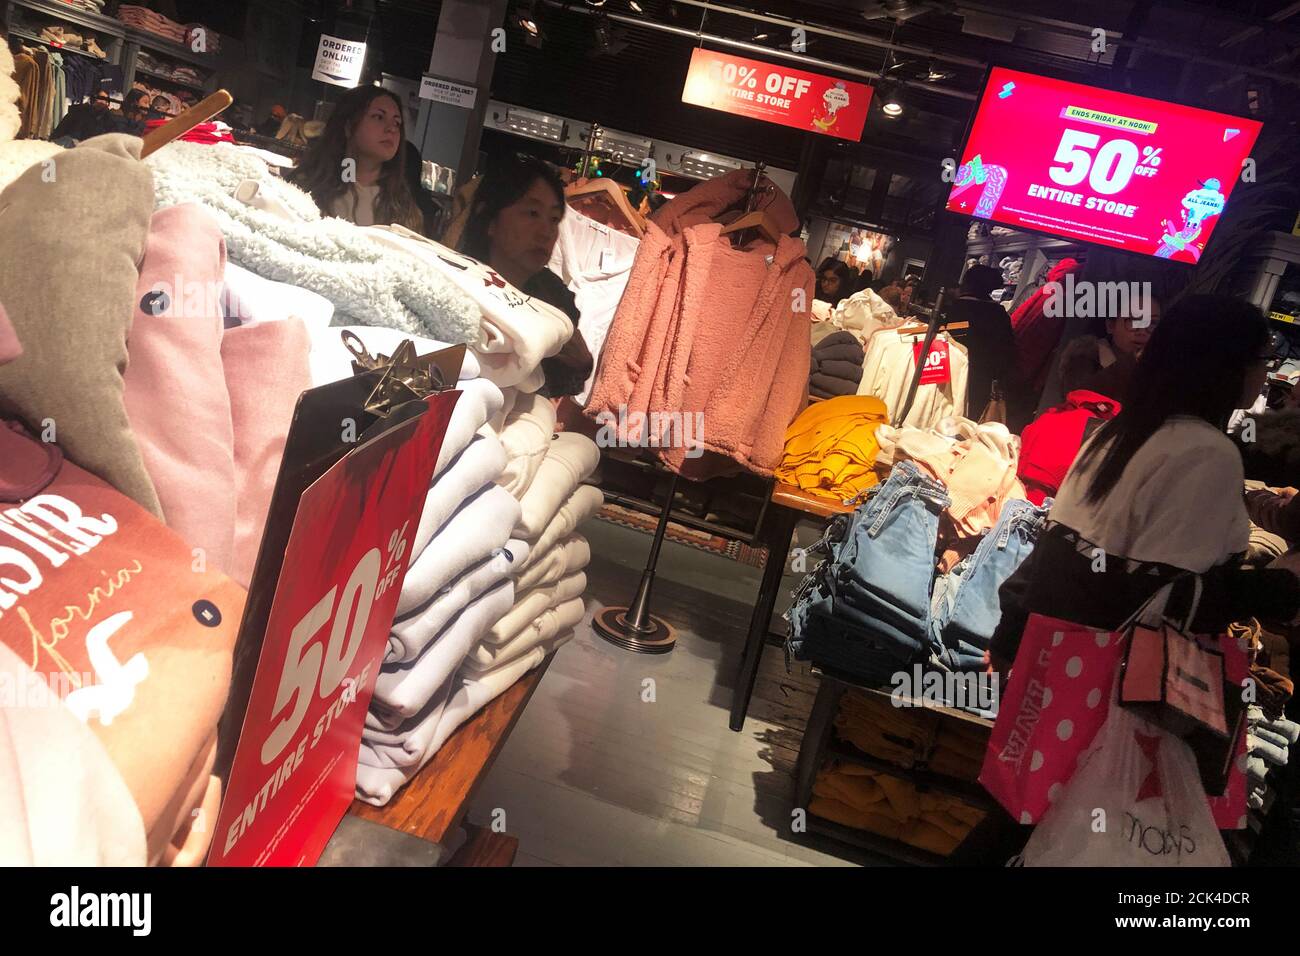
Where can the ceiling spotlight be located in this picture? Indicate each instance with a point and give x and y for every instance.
(526, 19)
(934, 74)
(636, 7)
(760, 36)
(891, 102)
(595, 3)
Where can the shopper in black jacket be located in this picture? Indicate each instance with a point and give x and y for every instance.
(989, 342)
(1157, 493)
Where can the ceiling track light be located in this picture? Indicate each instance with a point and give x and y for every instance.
(636, 7)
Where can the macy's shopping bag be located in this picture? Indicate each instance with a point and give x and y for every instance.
(1054, 704)
(1136, 800)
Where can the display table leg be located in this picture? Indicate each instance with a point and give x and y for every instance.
(777, 530)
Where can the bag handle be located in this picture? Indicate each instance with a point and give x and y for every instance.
(12, 493)
(1152, 611)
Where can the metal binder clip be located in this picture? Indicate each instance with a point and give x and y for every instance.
(407, 376)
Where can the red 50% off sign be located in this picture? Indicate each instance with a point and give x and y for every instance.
(294, 770)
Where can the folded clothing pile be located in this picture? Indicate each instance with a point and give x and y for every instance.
(975, 463)
(893, 807)
(1268, 744)
(912, 737)
(150, 21)
(495, 589)
(830, 449)
(516, 332)
(877, 602)
(836, 366)
(274, 229)
(205, 133)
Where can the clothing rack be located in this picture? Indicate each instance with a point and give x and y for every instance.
(933, 323)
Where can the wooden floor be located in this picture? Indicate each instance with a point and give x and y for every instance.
(625, 759)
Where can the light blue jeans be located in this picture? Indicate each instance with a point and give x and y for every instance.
(885, 570)
(966, 609)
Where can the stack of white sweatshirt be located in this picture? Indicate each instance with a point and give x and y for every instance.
(496, 579)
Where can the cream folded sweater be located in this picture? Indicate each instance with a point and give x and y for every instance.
(564, 557)
(585, 501)
(531, 605)
(550, 625)
(569, 460)
(526, 434)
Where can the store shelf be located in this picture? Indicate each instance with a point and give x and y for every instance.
(1020, 242)
(966, 790)
(164, 78)
(83, 18)
(61, 48)
(157, 44)
(874, 843)
(888, 693)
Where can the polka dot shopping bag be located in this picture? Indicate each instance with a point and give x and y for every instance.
(1055, 702)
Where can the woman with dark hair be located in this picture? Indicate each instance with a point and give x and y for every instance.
(1157, 492)
(513, 225)
(355, 169)
(1106, 359)
(1155, 495)
(835, 281)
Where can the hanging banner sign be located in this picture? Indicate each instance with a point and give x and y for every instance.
(777, 94)
(339, 61)
(445, 91)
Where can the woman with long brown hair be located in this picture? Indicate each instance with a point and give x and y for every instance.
(355, 169)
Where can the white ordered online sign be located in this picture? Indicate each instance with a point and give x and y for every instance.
(339, 61)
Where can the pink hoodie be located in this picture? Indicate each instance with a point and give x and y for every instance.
(707, 329)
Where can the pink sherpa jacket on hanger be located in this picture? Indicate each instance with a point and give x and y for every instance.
(707, 329)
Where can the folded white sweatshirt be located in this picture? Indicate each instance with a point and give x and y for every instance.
(510, 396)
(413, 633)
(566, 556)
(570, 459)
(479, 526)
(478, 465)
(532, 605)
(404, 689)
(331, 361)
(406, 745)
(549, 625)
(585, 501)
(376, 785)
(517, 330)
(526, 435)
(479, 401)
(248, 299)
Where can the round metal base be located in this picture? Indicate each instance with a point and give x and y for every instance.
(612, 624)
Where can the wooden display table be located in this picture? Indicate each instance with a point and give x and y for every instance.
(788, 505)
(433, 804)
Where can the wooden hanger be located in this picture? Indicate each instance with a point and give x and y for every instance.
(610, 190)
(921, 328)
(756, 220)
(178, 126)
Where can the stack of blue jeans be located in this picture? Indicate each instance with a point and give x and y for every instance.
(874, 604)
(965, 608)
(866, 609)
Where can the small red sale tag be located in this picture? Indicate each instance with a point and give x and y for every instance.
(936, 371)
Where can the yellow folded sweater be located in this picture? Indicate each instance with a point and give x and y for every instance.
(830, 449)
